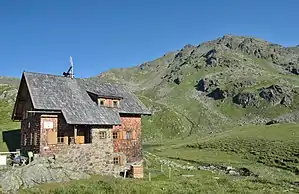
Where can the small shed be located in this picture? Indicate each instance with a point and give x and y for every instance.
(137, 171)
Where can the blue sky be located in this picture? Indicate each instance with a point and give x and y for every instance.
(41, 35)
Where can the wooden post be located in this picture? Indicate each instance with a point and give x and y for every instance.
(75, 133)
(30, 156)
(125, 173)
(169, 172)
(149, 176)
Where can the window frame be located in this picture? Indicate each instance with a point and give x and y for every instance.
(115, 103)
(102, 101)
(113, 135)
(104, 133)
(116, 160)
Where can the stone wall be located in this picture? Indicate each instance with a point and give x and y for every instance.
(130, 147)
(94, 158)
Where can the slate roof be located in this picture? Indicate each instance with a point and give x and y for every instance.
(129, 102)
(53, 92)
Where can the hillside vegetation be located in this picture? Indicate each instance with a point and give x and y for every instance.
(227, 82)
(7, 95)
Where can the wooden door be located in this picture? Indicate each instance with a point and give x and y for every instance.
(49, 128)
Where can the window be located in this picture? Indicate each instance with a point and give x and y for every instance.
(116, 160)
(128, 135)
(115, 103)
(102, 102)
(102, 134)
(48, 125)
(115, 135)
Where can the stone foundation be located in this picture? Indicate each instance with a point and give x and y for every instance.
(94, 158)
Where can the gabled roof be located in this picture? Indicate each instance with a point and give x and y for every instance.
(52, 92)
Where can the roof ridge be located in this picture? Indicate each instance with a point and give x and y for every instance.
(98, 79)
(43, 74)
(85, 79)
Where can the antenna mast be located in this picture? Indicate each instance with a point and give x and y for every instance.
(70, 71)
(72, 67)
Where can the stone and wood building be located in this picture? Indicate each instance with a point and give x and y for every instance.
(93, 125)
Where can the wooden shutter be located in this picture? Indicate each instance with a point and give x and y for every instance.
(124, 134)
(121, 160)
(52, 137)
(120, 135)
(134, 134)
(80, 139)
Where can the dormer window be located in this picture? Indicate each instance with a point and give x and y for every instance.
(102, 102)
(115, 103)
(108, 102)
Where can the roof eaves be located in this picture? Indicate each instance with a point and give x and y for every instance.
(105, 96)
(29, 90)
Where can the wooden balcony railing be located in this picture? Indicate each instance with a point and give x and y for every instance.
(63, 140)
(71, 140)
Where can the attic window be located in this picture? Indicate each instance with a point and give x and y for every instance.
(102, 102)
(115, 103)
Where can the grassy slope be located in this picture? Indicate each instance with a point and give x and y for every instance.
(232, 148)
(5, 116)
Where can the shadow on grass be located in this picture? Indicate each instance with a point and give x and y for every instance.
(12, 138)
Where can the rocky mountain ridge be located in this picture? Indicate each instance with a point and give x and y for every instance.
(228, 81)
